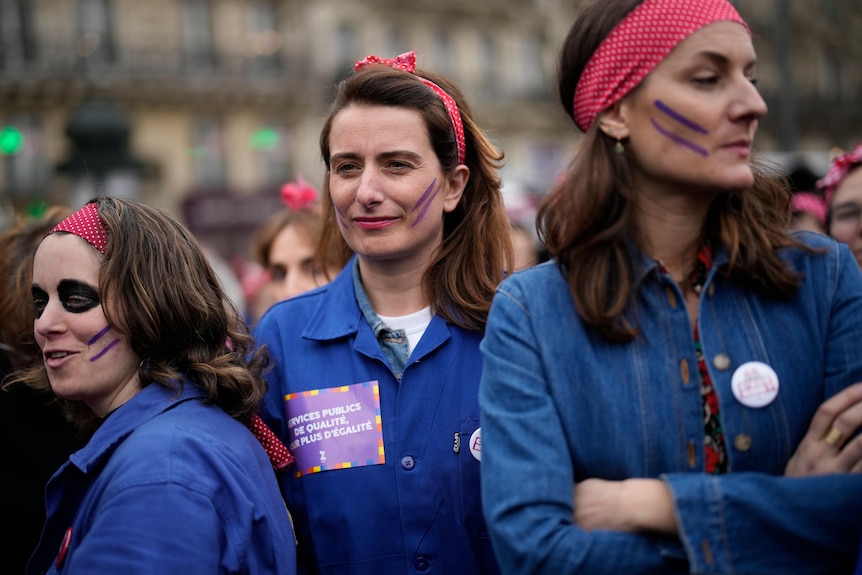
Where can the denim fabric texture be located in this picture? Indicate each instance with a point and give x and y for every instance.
(393, 342)
(560, 405)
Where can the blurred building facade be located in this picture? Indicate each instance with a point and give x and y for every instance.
(205, 107)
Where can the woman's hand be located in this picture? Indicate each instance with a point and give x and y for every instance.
(829, 445)
(631, 505)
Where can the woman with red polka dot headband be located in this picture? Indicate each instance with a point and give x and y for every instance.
(676, 391)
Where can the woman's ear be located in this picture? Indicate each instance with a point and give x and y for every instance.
(457, 182)
(612, 122)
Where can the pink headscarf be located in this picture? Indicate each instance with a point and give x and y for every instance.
(810, 204)
(841, 166)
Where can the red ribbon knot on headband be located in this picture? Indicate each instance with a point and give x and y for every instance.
(298, 195)
(407, 63)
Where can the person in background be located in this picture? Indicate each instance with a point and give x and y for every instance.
(808, 212)
(37, 436)
(676, 392)
(382, 413)
(842, 190)
(284, 247)
(807, 207)
(526, 252)
(174, 477)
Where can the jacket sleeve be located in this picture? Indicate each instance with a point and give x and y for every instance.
(527, 475)
(267, 334)
(156, 528)
(792, 525)
(769, 524)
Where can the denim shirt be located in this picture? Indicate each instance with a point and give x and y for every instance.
(393, 342)
(560, 405)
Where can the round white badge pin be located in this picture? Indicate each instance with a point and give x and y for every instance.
(754, 384)
(476, 444)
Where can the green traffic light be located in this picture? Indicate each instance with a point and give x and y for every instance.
(11, 141)
(36, 209)
(264, 139)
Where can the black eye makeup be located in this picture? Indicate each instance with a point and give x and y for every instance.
(40, 300)
(75, 297)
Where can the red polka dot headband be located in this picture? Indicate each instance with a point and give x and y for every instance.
(636, 46)
(85, 223)
(407, 62)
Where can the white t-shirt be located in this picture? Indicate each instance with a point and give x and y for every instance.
(413, 325)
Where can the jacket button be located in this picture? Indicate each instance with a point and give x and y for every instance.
(421, 564)
(671, 297)
(407, 463)
(683, 369)
(721, 361)
(692, 454)
(710, 290)
(742, 442)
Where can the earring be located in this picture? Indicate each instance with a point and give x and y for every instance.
(618, 148)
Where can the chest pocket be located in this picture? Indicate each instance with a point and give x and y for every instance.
(469, 446)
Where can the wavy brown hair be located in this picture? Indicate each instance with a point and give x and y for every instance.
(476, 248)
(167, 300)
(17, 246)
(587, 221)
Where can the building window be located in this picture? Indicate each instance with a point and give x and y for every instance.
(207, 153)
(533, 82)
(443, 52)
(22, 149)
(347, 48)
(395, 42)
(271, 144)
(197, 36)
(488, 55)
(16, 34)
(264, 38)
(95, 43)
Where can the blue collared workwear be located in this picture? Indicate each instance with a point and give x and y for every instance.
(420, 511)
(166, 485)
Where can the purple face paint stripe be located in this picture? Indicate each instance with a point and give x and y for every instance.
(340, 217)
(424, 195)
(104, 351)
(98, 335)
(425, 207)
(679, 139)
(679, 117)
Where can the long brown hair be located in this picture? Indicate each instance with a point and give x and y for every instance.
(17, 246)
(168, 301)
(476, 248)
(587, 221)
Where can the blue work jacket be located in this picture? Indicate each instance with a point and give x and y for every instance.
(560, 405)
(420, 511)
(166, 485)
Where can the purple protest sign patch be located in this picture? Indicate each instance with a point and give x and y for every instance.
(335, 427)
